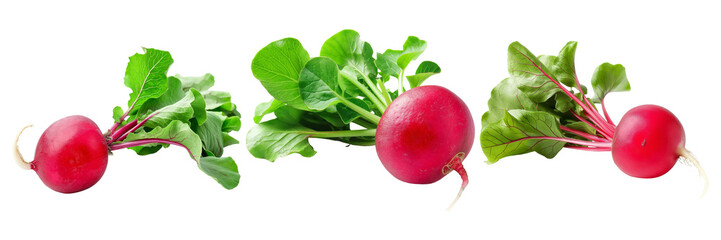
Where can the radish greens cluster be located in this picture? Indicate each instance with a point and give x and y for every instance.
(320, 97)
(542, 107)
(176, 110)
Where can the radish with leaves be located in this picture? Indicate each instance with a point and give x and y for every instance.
(72, 154)
(543, 108)
(323, 97)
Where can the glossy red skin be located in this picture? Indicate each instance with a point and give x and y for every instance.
(646, 141)
(421, 131)
(71, 155)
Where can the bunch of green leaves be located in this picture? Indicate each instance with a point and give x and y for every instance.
(322, 96)
(176, 110)
(542, 106)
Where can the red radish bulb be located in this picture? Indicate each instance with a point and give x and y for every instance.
(648, 141)
(71, 155)
(425, 134)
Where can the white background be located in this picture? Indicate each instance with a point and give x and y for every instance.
(61, 58)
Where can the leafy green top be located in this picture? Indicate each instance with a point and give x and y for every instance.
(175, 110)
(321, 97)
(542, 106)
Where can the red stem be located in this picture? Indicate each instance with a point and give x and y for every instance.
(606, 135)
(592, 149)
(136, 127)
(608, 118)
(604, 127)
(575, 99)
(115, 136)
(591, 106)
(114, 127)
(584, 134)
(117, 124)
(141, 142)
(610, 127)
(575, 141)
(578, 86)
(600, 123)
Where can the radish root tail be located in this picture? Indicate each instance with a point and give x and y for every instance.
(689, 157)
(18, 156)
(456, 164)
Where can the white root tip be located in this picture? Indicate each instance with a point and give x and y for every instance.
(689, 156)
(457, 197)
(456, 164)
(18, 156)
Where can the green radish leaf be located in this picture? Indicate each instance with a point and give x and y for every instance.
(213, 99)
(172, 94)
(198, 105)
(277, 67)
(117, 114)
(222, 169)
(548, 60)
(148, 149)
(581, 126)
(318, 82)
(370, 103)
(347, 49)
(173, 101)
(289, 115)
(210, 133)
(564, 103)
(201, 83)
(266, 108)
(393, 62)
(506, 96)
(394, 94)
(176, 132)
(519, 132)
(348, 115)
(218, 100)
(609, 78)
(319, 121)
(231, 124)
(273, 139)
(229, 140)
(425, 70)
(349, 89)
(564, 68)
(146, 76)
(232, 113)
(412, 49)
(329, 117)
(190, 106)
(533, 77)
(387, 62)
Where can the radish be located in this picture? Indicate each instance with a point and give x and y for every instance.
(648, 141)
(543, 107)
(420, 135)
(72, 154)
(424, 134)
